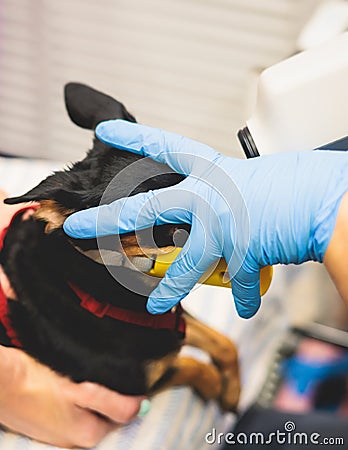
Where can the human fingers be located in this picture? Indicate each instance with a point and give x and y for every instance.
(196, 257)
(167, 205)
(246, 292)
(180, 153)
(116, 407)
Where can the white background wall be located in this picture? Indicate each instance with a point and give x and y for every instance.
(183, 65)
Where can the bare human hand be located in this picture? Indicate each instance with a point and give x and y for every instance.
(37, 402)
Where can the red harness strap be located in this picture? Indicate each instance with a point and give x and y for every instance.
(170, 320)
(5, 320)
(3, 300)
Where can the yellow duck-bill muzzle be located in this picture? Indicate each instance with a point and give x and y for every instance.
(161, 263)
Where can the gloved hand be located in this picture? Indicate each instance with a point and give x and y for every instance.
(268, 210)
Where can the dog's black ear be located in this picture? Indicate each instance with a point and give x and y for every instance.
(87, 107)
(51, 189)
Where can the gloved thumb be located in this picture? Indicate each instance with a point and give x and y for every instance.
(167, 205)
(246, 292)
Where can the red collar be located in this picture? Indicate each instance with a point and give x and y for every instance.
(170, 320)
(3, 300)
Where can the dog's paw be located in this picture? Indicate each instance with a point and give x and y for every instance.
(220, 384)
(225, 354)
(231, 389)
(208, 382)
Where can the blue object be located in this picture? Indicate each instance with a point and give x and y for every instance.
(263, 211)
(303, 373)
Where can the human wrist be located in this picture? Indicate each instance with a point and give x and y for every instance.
(12, 371)
(5, 364)
(5, 373)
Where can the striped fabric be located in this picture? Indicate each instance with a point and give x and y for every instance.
(178, 419)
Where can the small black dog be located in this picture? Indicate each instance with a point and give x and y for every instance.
(50, 274)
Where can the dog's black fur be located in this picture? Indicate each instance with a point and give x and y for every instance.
(47, 317)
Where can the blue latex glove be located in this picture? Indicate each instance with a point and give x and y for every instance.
(263, 211)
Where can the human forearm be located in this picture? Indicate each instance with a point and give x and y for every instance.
(336, 256)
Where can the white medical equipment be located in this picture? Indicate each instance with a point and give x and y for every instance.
(302, 102)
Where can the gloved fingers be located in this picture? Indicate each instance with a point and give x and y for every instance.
(246, 292)
(187, 269)
(167, 205)
(180, 153)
